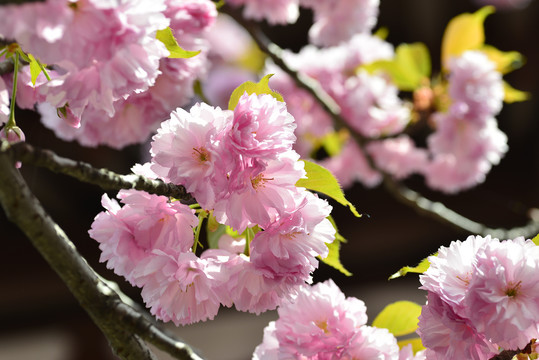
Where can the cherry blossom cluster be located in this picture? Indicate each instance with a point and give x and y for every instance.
(461, 150)
(240, 167)
(482, 298)
(121, 85)
(352, 16)
(321, 323)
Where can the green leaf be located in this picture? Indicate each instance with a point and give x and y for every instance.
(417, 345)
(35, 69)
(506, 61)
(382, 33)
(513, 95)
(333, 259)
(176, 52)
(410, 67)
(322, 180)
(249, 87)
(338, 236)
(419, 269)
(333, 142)
(536, 239)
(400, 318)
(464, 32)
(214, 232)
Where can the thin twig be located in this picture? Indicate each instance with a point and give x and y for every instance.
(124, 327)
(442, 213)
(85, 172)
(411, 198)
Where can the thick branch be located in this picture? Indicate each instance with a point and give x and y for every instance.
(85, 172)
(122, 325)
(411, 198)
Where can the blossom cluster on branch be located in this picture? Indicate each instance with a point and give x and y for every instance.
(240, 166)
(249, 194)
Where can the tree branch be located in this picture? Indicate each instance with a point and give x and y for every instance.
(409, 197)
(124, 327)
(85, 172)
(440, 212)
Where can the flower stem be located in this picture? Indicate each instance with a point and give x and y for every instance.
(11, 122)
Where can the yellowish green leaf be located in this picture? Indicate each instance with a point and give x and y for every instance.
(253, 59)
(333, 258)
(408, 69)
(536, 240)
(417, 345)
(513, 95)
(249, 87)
(35, 69)
(176, 51)
(382, 33)
(334, 141)
(400, 318)
(419, 269)
(464, 32)
(322, 180)
(338, 236)
(506, 61)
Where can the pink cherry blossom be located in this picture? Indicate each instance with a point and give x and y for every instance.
(179, 288)
(274, 11)
(372, 106)
(191, 16)
(475, 87)
(289, 247)
(463, 152)
(258, 193)
(352, 17)
(4, 102)
(450, 272)
(13, 135)
(262, 127)
(372, 343)
(398, 156)
(312, 122)
(128, 234)
(351, 165)
(186, 151)
(502, 297)
(406, 353)
(319, 322)
(446, 335)
(251, 291)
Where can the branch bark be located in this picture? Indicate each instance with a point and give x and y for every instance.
(85, 172)
(124, 327)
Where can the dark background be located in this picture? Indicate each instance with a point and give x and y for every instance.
(34, 303)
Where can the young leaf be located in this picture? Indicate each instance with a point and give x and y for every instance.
(410, 66)
(513, 95)
(464, 32)
(536, 239)
(419, 269)
(333, 257)
(400, 318)
(176, 51)
(506, 61)
(338, 236)
(214, 232)
(249, 87)
(35, 69)
(417, 345)
(322, 180)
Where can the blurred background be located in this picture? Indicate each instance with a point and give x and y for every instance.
(40, 319)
